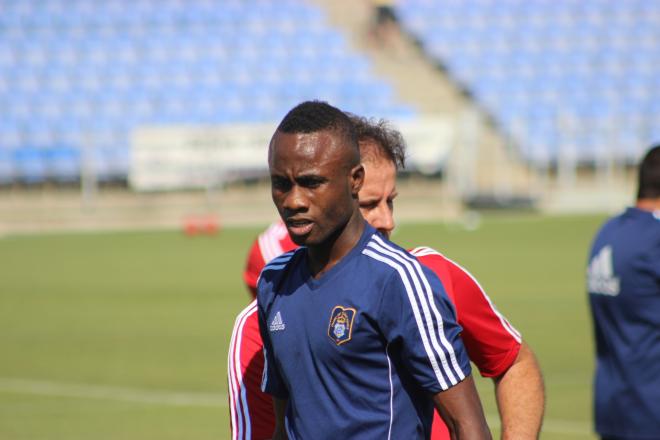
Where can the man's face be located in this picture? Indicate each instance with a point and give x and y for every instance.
(377, 194)
(312, 185)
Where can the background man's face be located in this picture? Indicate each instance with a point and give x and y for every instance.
(378, 193)
(311, 184)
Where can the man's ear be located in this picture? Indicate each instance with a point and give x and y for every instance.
(357, 179)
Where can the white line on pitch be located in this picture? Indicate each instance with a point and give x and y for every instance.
(136, 395)
(160, 397)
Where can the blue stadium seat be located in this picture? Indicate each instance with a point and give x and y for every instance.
(63, 163)
(6, 166)
(29, 165)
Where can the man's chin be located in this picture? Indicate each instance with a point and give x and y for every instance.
(300, 240)
(305, 239)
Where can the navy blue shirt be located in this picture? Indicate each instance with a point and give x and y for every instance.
(359, 351)
(623, 281)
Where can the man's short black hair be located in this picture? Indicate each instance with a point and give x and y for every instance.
(313, 116)
(649, 175)
(389, 140)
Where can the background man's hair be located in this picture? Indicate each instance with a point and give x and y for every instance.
(313, 116)
(649, 175)
(389, 141)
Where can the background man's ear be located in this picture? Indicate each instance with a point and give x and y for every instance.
(357, 179)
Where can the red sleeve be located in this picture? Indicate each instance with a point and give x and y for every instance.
(491, 341)
(269, 244)
(253, 266)
(251, 410)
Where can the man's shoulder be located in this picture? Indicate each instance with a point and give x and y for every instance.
(275, 271)
(614, 221)
(385, 254)
(630, 218)
(430, 255)
(278, 265)
(633, 228)
(437, 261)
(388, 258)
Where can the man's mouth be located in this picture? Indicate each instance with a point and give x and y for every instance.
(299, 227)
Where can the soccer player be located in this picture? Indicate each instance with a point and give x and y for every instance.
(492, 343)
(359, 339)
(623, 280)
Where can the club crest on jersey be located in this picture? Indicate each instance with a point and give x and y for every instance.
(341, 324)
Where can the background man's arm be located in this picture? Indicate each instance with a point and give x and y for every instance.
(490, 340)
(521, 397)
(279, 406)
(460, 408)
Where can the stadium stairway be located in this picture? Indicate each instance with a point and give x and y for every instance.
(483, 167)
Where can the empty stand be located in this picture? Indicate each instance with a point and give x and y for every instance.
(77, 76)
(558, 76)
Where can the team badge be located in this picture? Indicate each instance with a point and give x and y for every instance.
(341, 324)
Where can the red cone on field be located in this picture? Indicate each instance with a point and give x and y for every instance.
(201, 225)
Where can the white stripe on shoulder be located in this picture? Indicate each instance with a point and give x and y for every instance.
(238, 406)
(419, 249)
(264, 246)
(505, 322)
(429, 307)
(269, 241)
(423, 251)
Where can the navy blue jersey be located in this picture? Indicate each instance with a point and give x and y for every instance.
(359, 351)
(623, 280)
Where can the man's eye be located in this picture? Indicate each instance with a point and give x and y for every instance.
(368, 206)
(280, 184)
(310, 183)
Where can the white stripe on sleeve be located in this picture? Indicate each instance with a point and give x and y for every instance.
(403, 256)
(415, 310)
(428, 318)
(240, 413)
(425, 251)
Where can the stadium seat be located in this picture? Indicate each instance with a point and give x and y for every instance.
(6, 166)
(63, 163)
(29, 165)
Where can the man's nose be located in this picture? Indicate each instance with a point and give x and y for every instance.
(295, 199)
(385, 220)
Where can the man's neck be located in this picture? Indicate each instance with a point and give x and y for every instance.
(648, 204)
(325, 256)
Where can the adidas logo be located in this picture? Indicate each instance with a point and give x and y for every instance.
(600, 274)
(277, 323)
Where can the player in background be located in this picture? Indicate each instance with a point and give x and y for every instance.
(492, 343)
(623, 281)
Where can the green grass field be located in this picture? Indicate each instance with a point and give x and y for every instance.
(125, 335)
